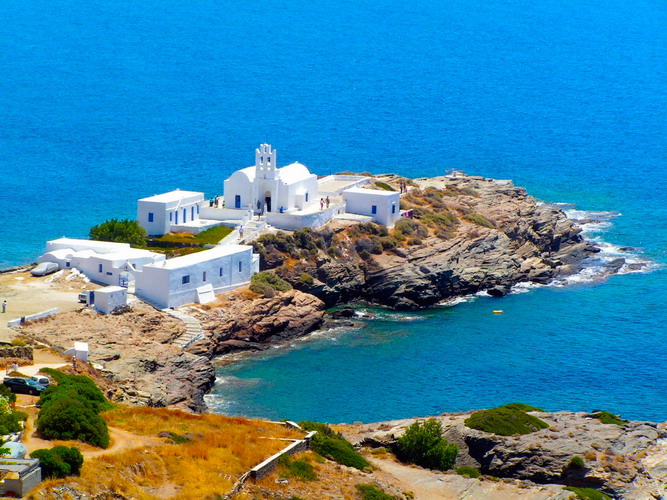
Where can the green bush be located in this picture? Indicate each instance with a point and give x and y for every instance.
(59, 461)
(423, 444)
(10, 422)
(480, 220)
(372, 492)
(609, 418)
(67, 418)
(385, 186)
(504, 421)
(7, 393)
(120, 231)
(261, 280)
(18, 343)
(588, 493)
(298, 469)
(576, 463)
(467, 471)
(522, 407)
(410, 227)
(70, 410)
(388, 243)
(444, 219)
(334, 446)
(306, 279)
(263, 289)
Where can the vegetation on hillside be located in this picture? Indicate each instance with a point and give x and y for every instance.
(268, 284)
(296, 468)
(372, 492)
(119, 231)
(467, 471)
(423, 444)
(334, 446)
(505, 421)
(213, 452)
(10, 420)
(70, 410)
(588, 493)
(59, 461)
(609, 418)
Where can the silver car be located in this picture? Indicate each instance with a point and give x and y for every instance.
(44, 268)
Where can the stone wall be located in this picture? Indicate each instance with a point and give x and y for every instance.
(16, 352)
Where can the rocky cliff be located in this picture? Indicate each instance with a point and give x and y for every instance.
(625, 461)
(467, 234)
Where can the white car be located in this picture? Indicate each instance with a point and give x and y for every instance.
(44, 268)
(41, 380)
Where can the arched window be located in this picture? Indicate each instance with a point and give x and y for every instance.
(261, 160)
(268, 159)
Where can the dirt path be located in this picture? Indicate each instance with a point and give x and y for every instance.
(430, 485)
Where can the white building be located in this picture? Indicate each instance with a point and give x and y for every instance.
(100, 261)
(105, 300)
(266, 187)
(175, 211)
(197, 277)
(382, 206)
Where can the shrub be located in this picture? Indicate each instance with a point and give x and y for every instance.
(18, 343)
(263, 289)
(74, 386)
(121, 231)
(385, 186)
(59, 461)
(423, 444)
(67, 418)
(334, 446)
(444, 219)
(576, 463)
(7, 393)
(480, 220)
(410, 227)
(467, 471)
(299, 469)
(371, 492)
(522, 407)
(260, 281)
(306, 279)
(10, 422)
(609, 418)
(588, 493)
(414, 241)
(505, 421)
(388, 243)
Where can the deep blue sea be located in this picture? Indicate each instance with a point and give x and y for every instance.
(104, 102)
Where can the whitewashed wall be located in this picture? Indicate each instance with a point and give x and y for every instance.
(362, 203)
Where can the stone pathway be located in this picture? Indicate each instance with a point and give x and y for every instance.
(193, 331)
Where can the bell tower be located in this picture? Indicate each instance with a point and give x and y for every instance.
(265, 162)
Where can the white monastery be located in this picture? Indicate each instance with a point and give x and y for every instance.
(261, 197)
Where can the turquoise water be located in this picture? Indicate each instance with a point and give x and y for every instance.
(102, 103)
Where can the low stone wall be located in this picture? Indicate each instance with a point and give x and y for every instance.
(32, 317)
(261, 470)
(16, 352)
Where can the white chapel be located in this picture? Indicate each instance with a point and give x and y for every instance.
(265, 187)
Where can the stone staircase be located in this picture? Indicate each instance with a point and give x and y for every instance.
(251, 230)
(193, 329)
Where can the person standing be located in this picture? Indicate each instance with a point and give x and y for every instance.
(241, 232)
(328, 201)
(321, 203)
(4, 306)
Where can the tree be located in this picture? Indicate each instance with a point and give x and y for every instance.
(59, 461)
(423, 444)
(120, 231)
(69, 418)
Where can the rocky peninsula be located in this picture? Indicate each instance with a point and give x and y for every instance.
(465, 235)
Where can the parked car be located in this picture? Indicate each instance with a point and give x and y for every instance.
(20, 385)
(44, 268)
(41, 380)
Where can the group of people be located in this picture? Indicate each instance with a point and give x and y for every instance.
(403, 186)
(324, 201)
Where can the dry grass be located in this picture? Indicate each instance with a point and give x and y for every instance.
(220, 449)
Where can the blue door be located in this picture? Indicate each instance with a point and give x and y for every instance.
(237, 201)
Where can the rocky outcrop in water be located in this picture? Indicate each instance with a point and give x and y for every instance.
(628, 461)
(500, 236)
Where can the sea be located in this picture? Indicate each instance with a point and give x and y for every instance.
(102, 103)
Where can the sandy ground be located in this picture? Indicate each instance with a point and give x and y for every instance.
(26, 294)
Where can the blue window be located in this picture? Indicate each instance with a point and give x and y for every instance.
(221, 272)
(393, 208)
(176, 217)
(171, 216)
(185, 280)
(185, 215)
(197, 209)
(237, 201)
(306, 197)
(150, 216)
(68, 264)
(240, 266)
(192, 213)
(204, 276)
(99, 268)
(374, 209)
(109, 274)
